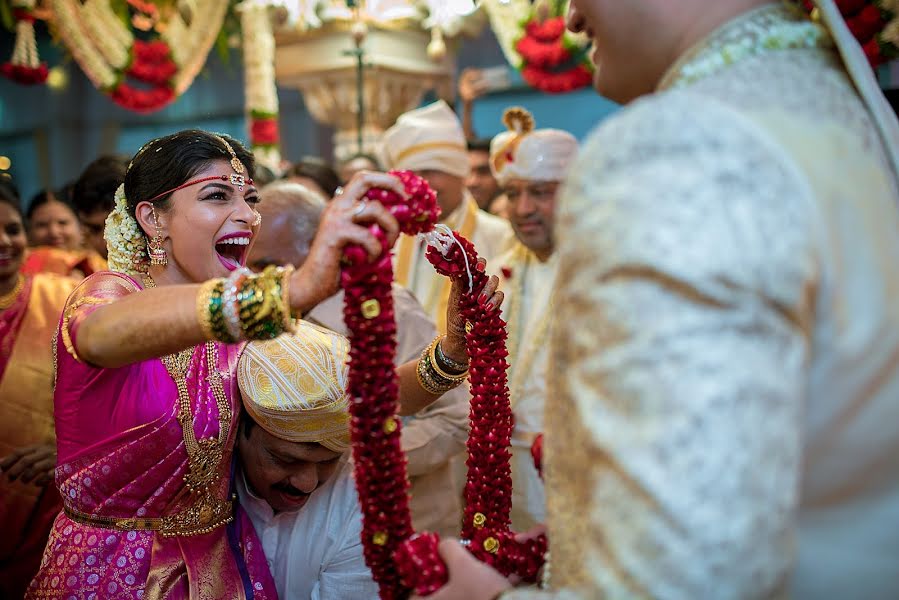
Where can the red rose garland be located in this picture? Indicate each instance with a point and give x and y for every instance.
(399, 561)
(151, 64)
(550, 62)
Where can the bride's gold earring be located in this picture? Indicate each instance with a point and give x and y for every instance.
(155, 248)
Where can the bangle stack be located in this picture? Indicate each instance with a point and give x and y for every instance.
(246, 306)
(438, 374)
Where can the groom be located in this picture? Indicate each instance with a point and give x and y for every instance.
(726, 389)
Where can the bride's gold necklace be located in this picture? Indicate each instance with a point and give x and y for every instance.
(9, 298)
(204, 455)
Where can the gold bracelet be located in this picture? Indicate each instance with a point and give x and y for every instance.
(435, 364)
(447, 363)
(262, 310)
(431, 381)
(209, 311)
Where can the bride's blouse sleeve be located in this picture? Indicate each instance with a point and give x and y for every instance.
(95, 291)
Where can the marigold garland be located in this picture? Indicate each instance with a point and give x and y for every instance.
(400, 561)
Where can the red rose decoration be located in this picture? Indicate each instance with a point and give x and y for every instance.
(399, 560)
(264, 132)
(866, 21)
(551, 63)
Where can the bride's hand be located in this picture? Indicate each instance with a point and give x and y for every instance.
(453, 346)
(345, 221)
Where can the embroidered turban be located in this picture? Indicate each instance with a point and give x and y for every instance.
(427, 138)
(523, 152)
(295, 386)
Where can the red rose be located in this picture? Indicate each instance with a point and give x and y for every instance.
(873, 52)
(25, 75)
(264, 132)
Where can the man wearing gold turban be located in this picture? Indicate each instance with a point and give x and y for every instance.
(434, 436)
(529, 165)
(431, 142)
(295, 481)
(725, 381)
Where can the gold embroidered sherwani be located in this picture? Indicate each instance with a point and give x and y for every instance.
(725, 356)
(527, 283)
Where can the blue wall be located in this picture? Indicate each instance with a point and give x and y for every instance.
(51, 135)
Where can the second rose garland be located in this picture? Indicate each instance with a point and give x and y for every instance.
(400, 560)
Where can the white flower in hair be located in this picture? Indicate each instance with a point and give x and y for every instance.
(126, 242)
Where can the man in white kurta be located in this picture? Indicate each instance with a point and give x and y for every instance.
(430, 141)
(725, 361)
(434, 436)
(294, 478)
(529, 166)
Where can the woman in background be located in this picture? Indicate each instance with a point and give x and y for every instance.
(30, 306)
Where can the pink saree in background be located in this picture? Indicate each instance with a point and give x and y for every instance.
(121, 454)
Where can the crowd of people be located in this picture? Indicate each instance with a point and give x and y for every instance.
(701, 316)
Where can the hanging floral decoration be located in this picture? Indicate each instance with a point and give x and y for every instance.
(259, 79)
(141, 73)
(25, 66)
(535, 40)
(400, 560)
(875, 24)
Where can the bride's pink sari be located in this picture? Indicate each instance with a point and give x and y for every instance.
(121, 455)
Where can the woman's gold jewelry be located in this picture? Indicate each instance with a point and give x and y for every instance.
(9, 298)
(432, 378)
(204, 299)
(246, 306)
(264, 313)
(447, 363)
(231, 304)
(155, 245)
(258, 220)
(204, 456)
(444, 370)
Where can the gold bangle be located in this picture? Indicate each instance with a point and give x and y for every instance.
(435, 364)
(208, 304)
(262, 310)
(430, 380)
(447, 363)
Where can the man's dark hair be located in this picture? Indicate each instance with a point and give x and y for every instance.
(45, 197)
(318, 171)
(479, 145)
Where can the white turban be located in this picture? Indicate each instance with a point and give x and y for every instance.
(523, 152)
(427, 138)
(295, 386)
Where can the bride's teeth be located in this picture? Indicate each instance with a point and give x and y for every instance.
(237, 241)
